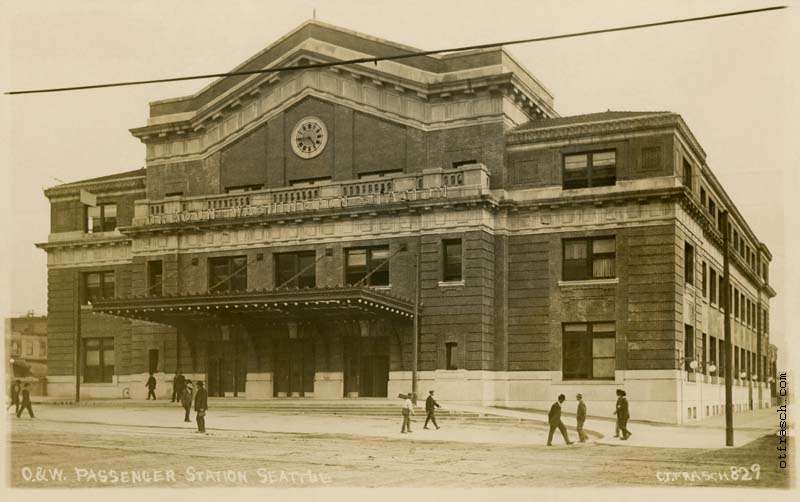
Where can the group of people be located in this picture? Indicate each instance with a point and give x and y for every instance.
(20, 398)
(554, 418)
(408, 411)
(183, 392)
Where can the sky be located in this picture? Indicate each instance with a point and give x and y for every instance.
(730, 79)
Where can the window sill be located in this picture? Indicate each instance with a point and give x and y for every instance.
(450, 284)
(388, 287)
(594, 381)
(590, 282)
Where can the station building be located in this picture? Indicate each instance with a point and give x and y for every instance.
(291, 229)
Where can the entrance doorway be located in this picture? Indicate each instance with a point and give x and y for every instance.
(294, 367)
(366, 366)
(227, 364)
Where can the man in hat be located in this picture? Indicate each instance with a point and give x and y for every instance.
(581, 418)
(151, 387)
(554, 418)
(408, 411)
(177, 387)
(201, 406)
(623, 415)
(16, 388)
(26, 401)
(186, 399)
(616, 412)
(430, 410)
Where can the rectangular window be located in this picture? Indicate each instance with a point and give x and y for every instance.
(16, 349)
(721, 362)
(712, 356)
(452, 265)
(289, 265)
(712, 283)
(705, 280)
(451, 355)
(589, 351)
(688, 263)
(736, 367)
(703, 355)
(592, 258)
(227, 273)
(42, 349)
(591, 169)
(735, 303)
(98, 360)
(28, 347)
(703, 196)
(687, 174)
(97, 286)
(372, 262)
(155, 277)
(688, 346)
(712, 209)
(152, 356)
(101, 218)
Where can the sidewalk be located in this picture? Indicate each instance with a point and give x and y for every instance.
(709, 433)
(531, 428)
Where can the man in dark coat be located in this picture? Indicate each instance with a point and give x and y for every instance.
(186, 399)
(177, 387)
(201, 406)
(581, 418)
(554, 418)
(26, 402)
(430, 410)
(151, 387)
(16, 388)
(616, 412)
(623, 414)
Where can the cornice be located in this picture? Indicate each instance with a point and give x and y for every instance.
(73, 189)
(655, 121)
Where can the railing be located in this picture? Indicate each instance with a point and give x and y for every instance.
(468, 180)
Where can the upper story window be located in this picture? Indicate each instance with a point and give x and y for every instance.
(703, 196)
(372, 263)
(227, 273)
(98, 286)
(452, 260)
(712, 209)
(155, 277)
(43, 349)
(593, 169)
(712, 284)
(296, 270)
(687, 174)
(16, 348)
(589, 351)
(688, 263)
(101, 218)
(592, 258)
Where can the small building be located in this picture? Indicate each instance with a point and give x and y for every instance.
(26, 350)
(293, 232)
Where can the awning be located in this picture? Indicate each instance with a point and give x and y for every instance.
(268, 305)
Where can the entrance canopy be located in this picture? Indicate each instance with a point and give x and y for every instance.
(269, 305)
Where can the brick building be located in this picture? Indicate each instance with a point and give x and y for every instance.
(26, 346)
(277, 240)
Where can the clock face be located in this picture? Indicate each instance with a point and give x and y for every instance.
(309, 137)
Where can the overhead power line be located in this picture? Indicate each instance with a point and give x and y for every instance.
(402, 56)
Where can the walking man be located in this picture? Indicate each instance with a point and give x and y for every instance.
(554, 418)
(623, 415)
(408, 411)
(177, 387)
(581, 418)
(26, 402)
(186, 399)
(15, 390)
(430, 410)
(151, 387)
(616, 412)
(201, 406)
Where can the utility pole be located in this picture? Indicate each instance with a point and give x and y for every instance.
(77, 334)
(726, 312)
(415, 341)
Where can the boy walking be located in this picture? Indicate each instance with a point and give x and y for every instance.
(408, 411)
